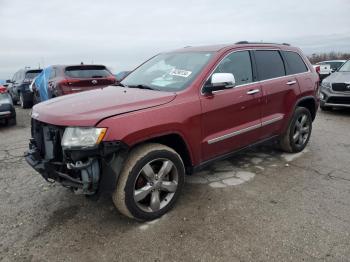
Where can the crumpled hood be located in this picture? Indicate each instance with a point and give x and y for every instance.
(90, 107)
(339, 77)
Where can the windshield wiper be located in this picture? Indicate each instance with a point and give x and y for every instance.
(119, 84)
(143, 87)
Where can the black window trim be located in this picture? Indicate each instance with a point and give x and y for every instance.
(254, 67)
(215, 67)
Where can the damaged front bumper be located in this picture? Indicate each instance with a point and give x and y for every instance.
(87, 171)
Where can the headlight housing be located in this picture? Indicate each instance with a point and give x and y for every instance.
(326, 84)
(82, 136)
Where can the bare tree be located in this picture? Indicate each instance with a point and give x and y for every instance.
(315, 58)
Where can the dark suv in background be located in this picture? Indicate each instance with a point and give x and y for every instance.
(19, 87)
(61, 80)
(171, 116)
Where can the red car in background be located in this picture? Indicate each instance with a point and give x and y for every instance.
(61, 80)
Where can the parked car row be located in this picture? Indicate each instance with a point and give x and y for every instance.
(136, 134)
(31, 86)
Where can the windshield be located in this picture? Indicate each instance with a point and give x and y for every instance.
(169, 71)
(345, 67)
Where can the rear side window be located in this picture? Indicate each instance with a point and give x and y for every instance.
(238, 64)
(87, 71)
(295, 63)
(269, 64)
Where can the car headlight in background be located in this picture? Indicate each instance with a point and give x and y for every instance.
(326, 84)
(82, 136)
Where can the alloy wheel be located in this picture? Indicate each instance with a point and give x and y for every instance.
(155, 185)
(301, 130)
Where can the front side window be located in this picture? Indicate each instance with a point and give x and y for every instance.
(239, 64)
(345, 67)
(269, 64)
(295, 63)
(169, 71)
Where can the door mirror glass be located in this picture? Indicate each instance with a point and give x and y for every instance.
(220, 81)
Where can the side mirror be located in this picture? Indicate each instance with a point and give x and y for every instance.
(219, 81)
(8, 81)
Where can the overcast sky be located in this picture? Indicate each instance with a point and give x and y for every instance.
(122, 34)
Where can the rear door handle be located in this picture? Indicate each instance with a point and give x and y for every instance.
(291, 83)
(253, 91)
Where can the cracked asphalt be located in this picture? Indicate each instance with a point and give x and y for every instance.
(261, 205)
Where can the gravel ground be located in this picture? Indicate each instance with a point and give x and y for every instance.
(261, 205)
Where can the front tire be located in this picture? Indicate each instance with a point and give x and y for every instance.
(150, 182)
(298, 133)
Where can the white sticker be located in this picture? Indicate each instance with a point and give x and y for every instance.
(180, 72)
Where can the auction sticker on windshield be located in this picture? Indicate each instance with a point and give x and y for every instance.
(180, 72)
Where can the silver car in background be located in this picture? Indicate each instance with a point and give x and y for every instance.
(335, 89)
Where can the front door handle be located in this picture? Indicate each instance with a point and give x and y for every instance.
(253, 91)
(291, 83)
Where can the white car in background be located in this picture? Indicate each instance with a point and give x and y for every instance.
(325, 68)
(331, 65)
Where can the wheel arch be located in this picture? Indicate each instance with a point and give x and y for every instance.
(176, 142)
(309, 103)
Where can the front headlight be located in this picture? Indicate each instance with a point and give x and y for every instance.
(82, 136)
(326, 84)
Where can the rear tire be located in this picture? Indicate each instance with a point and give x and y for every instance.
(150, 182)
(24, 103)
(11, 121)
(298, 133)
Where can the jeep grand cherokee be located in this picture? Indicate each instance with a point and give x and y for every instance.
(171, 116)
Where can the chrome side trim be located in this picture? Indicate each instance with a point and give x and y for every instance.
(244, 130)
(238, 132)
(5, 113)
(335, 105)
(271, 121)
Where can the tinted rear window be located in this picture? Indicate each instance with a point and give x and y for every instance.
(32, 73)
(87, 71)
(295, 63)
(269, 64)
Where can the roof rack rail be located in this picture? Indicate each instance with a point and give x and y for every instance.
(247, 42)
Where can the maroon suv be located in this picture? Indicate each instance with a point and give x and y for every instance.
(173, 115)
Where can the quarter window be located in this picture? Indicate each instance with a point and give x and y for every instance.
(238, 64)
(295, 63)
(269, 64)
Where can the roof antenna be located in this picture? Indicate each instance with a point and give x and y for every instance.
(81, 63)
